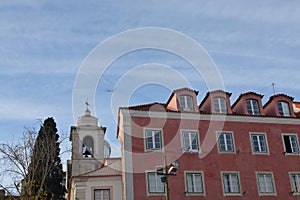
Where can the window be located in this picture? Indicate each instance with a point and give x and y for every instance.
(220, 105)
(155, 185)
(295, 183)
(102, 194)
(291, 144)
(225, 142)
(153, 139)
(283, 108)
(259, 144)
(252, 107)
(190, 141)
(265, 183)
(231, 183)
(88, 147)
(194, 183)
(186, 103)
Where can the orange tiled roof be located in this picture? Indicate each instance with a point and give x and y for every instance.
(156, 107)
(296, 107)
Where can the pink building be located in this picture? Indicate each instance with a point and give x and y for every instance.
(244, 150)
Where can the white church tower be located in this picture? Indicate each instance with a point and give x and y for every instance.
(87, 144)
(92, 174)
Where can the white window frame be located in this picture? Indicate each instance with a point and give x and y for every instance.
(285, 108)
(265, 175)
(153, 132)
(102, 197)
(297, 152)
(218, 106)
(190, 149)
(252, 107)
(259, 143)
(231, 181)
(219, 133)
(295, 183)
(186, 103)
(186, 181)
(157, 183)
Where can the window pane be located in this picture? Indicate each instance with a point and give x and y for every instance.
(252, 107)
(295, 181)
(190, 141)
(102, 194)
(225, 142)
(154, 183)
(157, 140)
(220, 105)
(153, 139)
(283, 108)
(222, 142)
(186, 103)
(291, 144)
(194, 183)
(294, 144)
(262, 143)
(259, 143)
(265, 182)
(231, 183)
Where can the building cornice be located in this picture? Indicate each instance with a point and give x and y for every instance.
(211, 117)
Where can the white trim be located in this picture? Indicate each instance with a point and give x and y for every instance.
(213, 117)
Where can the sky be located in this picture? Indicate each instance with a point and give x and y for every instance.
(45, 44)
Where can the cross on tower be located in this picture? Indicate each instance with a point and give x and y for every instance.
(87, 105)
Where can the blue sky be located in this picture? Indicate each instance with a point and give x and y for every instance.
(44, 43)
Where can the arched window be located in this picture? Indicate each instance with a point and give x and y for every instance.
(88, 147)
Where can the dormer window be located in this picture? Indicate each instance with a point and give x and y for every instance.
(186, 103)
(252, 107)
(283, 108)
(88, 147)
(220, 105)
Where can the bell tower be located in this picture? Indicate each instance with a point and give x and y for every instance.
(87, 144)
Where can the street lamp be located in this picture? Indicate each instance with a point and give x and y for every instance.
(166, 171)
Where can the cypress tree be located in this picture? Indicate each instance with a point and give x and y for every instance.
(45, 170)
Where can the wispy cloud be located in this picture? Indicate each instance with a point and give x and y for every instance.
(43, 43)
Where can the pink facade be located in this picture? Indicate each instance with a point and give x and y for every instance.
(234, 155)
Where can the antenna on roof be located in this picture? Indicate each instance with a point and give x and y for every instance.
(273, 85)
